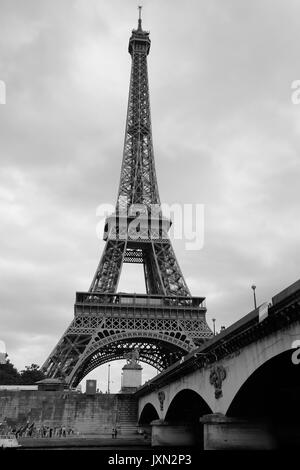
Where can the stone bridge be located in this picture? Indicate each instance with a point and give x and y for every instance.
(239, 390)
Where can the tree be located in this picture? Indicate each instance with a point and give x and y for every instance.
(9, 374)
(31, 375)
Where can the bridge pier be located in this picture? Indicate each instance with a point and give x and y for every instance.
(171, 434)
(224, 433)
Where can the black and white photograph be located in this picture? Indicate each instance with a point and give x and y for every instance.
(150, 229)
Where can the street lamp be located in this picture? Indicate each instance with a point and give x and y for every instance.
(108, 379)
(254, 295)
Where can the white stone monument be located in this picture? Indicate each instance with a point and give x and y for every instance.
(132, 373)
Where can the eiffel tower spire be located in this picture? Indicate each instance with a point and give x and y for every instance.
(163, 324)
(138, 186)
(138, 182)
(140, 18)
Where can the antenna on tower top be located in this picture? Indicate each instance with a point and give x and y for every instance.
(140, 17)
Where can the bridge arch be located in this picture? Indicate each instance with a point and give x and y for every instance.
(272, 387)
(271, 395)
(240, 367)
(187, 406)
(148, 414)
(186, 409)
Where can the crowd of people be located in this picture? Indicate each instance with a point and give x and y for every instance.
(31, 430)
(45, 431)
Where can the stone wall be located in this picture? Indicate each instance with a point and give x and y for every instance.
(86, 414)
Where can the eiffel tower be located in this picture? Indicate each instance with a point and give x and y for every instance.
(165, 323)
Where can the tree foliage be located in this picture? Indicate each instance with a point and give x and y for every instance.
(9, 375)
(31, 375)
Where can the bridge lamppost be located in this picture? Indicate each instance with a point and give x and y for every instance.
(108, 379)
(254, 295)
(214, 321)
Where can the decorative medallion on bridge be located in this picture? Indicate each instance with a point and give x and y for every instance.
(161, 398)
(216, 377)
(165, 323)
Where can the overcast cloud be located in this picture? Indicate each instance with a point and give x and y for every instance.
(226, 134)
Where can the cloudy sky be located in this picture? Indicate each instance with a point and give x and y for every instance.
(226, 135)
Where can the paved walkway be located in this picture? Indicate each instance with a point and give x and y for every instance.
(101, 441)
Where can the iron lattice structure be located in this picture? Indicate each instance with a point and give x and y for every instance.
(167, 322)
